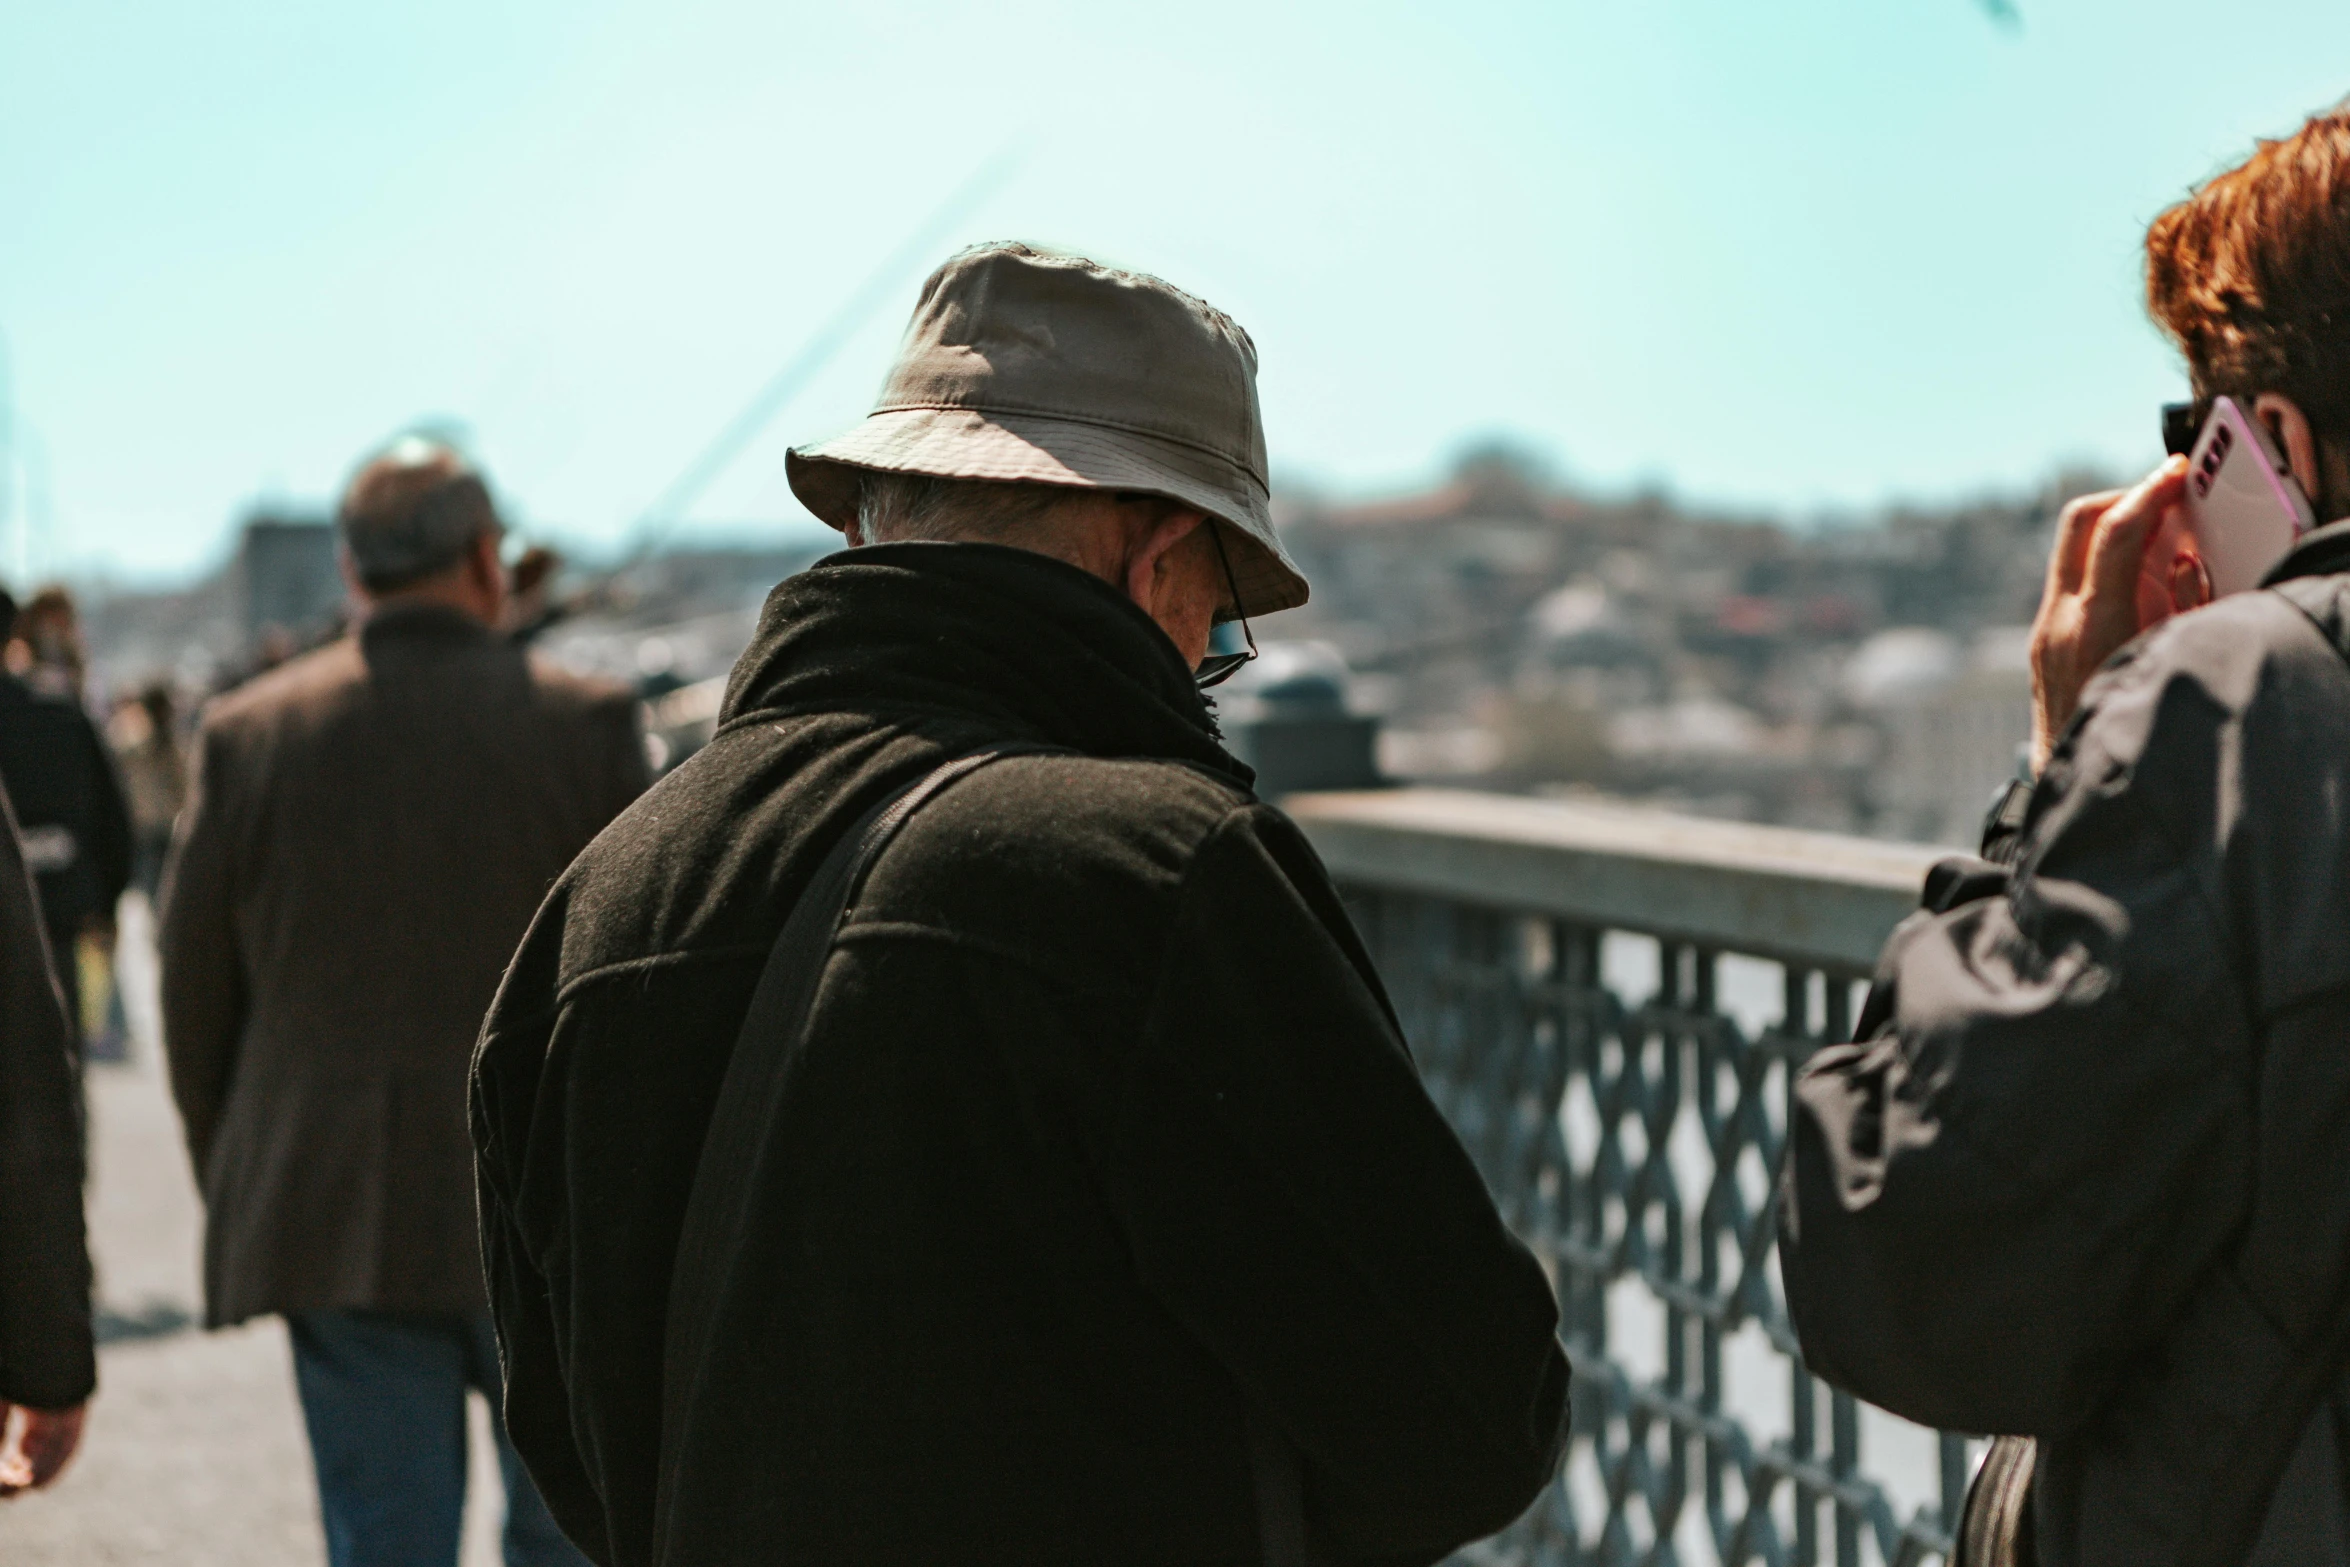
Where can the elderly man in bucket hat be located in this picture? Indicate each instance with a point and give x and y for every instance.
(1053, 1186)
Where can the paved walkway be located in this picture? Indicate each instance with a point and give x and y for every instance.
(194, 1455)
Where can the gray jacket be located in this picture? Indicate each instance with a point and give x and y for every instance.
(2087, 1174)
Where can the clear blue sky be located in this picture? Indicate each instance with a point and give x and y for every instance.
(1803, 255)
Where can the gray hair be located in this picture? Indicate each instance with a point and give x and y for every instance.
(412, 511)
(893, 508)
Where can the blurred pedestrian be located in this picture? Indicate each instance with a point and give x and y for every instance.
(1095, 1213)
(2082, 1178)
(48, 1364)
(70, 806)
(145, 734)
(45, 646)
(370, 828)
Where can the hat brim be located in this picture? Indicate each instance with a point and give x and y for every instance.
(968, 443)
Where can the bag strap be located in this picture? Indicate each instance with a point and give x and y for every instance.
(735, 1145)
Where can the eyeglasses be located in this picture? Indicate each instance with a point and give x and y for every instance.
(1217, 668)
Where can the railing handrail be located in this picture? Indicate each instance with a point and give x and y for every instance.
(1813, 898)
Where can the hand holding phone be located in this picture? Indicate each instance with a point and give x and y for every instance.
(2089, 608)
(2241, 512)
(2212, 522)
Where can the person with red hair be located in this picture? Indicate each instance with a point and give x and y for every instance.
(2081, 1177)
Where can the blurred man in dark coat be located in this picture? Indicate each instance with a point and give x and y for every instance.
(371, 827)
(47, 1363)
(70, 808)
(1103, 1218)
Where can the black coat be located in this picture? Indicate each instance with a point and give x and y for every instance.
(47, 1360)
(1105, 1147)
(61, 776)
(2087, 1175)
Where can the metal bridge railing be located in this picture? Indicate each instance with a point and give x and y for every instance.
(1610, 1006)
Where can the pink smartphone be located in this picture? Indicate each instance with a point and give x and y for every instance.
(2244, 510)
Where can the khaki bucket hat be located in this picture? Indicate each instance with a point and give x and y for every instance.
(1023, 365)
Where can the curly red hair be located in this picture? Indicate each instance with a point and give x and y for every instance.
(2250, 275)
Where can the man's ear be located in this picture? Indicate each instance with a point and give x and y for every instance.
(1146, 566)
(2288, 426)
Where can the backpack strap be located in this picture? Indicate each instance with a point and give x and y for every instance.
(756, 1074)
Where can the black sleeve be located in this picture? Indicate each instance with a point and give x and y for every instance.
(506, 1081)
(536, 1401)
(585, 1147)
(1294, 1198)
(2006, 1190)
(47, 1358)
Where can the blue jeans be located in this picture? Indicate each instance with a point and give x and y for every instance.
(383, 1394)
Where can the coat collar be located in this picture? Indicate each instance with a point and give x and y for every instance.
(1029, 646)
(2321, 553)
(400, 621)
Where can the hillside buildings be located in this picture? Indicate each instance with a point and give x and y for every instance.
(1515, 634)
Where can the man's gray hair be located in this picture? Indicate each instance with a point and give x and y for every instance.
(412, 511)
(895, 507)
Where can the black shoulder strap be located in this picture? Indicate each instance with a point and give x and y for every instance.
(732, 1150)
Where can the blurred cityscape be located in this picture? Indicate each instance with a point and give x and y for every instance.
(1867, 677)
(1505, 631)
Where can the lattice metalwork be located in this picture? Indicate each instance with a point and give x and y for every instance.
(1634, 1146)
